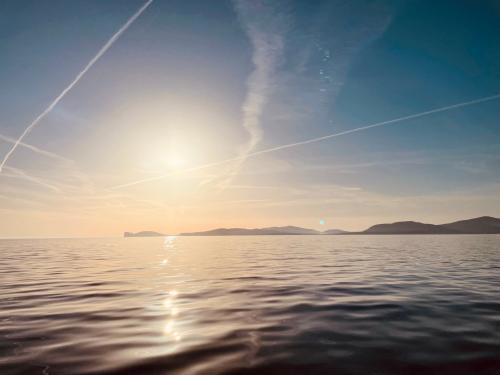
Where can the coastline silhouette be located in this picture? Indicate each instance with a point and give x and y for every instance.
(479, 225)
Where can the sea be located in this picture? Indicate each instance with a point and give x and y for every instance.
(351, 304)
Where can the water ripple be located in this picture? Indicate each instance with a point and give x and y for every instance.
(251, 305)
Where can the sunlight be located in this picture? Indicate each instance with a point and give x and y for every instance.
(168, 327)
(173, 312)
(164, 158)
(175, 162)
(250, 187)
(168, 159)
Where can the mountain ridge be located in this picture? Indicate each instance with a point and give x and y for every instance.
(478, 225)
(145, 233)
(268, 231)
(408, 227)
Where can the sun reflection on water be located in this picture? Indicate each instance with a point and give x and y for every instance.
(169, 241)
(170, 328)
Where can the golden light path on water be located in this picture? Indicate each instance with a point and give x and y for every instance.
(169, 303)
(250, 304)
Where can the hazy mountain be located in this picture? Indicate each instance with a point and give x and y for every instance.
(408, 227)
(288, 230)
(146, 233)
(479, 225)
(221, 232)
(334, 231)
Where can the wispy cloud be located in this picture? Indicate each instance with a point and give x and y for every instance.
(265, 27)
(68, 177)
(320, 54)
(20, 174)
(78, 77)
(265, 30)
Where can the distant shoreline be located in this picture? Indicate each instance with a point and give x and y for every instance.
(479, 225)
(294, 235)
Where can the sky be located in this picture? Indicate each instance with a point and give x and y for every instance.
(165, 129)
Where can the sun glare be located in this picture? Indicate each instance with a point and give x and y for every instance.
(169, 161)
(175, 162)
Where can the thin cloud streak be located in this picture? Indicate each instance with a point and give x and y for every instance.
(314, 140)
(267, 42)
(18, 173)
(79, 76)
(35, 149)
(70, 170)
(267, 39)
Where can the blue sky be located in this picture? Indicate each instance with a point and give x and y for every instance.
(207, 81)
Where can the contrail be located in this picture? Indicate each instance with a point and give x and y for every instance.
(18, 173)
(79, 76)
(34, 149)
(318, 139)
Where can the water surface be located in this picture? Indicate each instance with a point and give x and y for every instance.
(251, 305)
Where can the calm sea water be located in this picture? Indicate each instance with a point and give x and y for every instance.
(251, 305)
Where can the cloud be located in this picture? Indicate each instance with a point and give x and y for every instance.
(65, 177)
(327, 39)
(20, 174)
(265, 27)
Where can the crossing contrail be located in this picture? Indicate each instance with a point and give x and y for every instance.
(34, 149)
(18, 173)
(318, 139)
(79, 76)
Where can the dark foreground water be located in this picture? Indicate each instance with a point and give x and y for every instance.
(251, 305)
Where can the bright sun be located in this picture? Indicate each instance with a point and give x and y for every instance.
(175, 161)
(168, 159)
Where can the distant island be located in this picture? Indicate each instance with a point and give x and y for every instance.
(479, 225)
